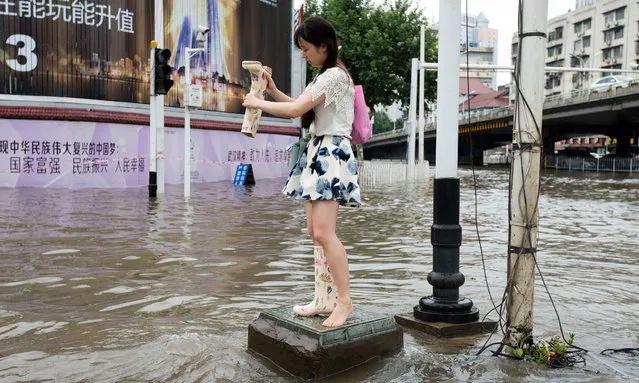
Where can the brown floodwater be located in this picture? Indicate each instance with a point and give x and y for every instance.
(108, 286)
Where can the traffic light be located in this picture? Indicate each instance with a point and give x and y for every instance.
(162, 81)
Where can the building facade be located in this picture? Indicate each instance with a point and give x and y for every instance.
(598, 34)
(478, 44)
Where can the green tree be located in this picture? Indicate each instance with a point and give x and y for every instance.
(377, 44)
(382, 123)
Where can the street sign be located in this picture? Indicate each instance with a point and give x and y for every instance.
(195, 96)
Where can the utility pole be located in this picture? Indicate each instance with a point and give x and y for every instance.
(445, 305)
(525, 168)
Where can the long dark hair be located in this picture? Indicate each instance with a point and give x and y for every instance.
(318, 31)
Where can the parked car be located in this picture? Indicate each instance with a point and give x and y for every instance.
(607, 83)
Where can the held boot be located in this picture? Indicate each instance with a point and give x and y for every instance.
(258, 86)
(325, 298)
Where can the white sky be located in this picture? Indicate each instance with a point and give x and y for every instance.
(502, 15)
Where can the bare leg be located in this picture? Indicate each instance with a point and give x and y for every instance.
(324, 220)
(325, 298)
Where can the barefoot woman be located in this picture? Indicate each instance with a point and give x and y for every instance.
(325, 176)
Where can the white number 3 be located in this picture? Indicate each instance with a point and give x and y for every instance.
(26, 45)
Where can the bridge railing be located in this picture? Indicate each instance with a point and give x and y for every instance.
(592, 164)
(575, 97)
(380, 172)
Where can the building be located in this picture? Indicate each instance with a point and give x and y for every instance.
(478, 44)
(598, 34)
(583, 3)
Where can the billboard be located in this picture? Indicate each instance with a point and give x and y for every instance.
(99, 49)
(76, 155)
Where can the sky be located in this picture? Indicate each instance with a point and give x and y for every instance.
(502, 15)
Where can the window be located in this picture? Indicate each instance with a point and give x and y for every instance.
(620, 13)
(586, 42)
(618, 33)
(578, 27)
(617, 52)
(577, 45)
(587, 24)
(558, 50)
(559, 32)
(551, 36)
(607, 53)
(608, 36)
(609, 17)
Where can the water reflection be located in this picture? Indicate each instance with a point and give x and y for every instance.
(107, 285)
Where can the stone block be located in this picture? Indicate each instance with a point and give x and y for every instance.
(306, 349)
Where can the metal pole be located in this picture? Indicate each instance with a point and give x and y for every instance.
(445, 305)
(410, 160)
(153, 187)
(527, 141)
(159, 102)
(187, 126)
(422, 54)
(510, 68)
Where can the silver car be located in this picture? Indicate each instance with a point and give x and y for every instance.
(607, 83)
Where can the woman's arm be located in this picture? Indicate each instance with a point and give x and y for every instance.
(291, 109)
(272, 90)
(280, 96)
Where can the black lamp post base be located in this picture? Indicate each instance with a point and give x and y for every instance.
(432, 310)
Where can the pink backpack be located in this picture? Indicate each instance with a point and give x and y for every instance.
(361, 124)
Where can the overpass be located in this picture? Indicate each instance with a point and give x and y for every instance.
(614, 113)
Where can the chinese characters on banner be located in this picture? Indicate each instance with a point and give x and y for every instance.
(257, 155)
(83, 12)
(43, 157)
(88, 155)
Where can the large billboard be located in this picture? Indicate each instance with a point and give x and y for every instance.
(99, 49)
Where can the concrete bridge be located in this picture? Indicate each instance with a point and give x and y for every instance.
(614, 113)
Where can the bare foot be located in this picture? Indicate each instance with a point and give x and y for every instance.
(340, 314)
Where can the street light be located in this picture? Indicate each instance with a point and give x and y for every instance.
(201, 39)
(581, 65)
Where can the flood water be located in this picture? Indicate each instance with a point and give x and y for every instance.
(107, 286)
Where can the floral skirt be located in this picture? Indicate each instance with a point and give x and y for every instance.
(326, 170)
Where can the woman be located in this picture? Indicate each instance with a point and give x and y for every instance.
(326, 174)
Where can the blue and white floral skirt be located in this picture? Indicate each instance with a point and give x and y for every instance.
(326, 170)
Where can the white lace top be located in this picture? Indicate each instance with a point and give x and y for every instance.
(335, 115)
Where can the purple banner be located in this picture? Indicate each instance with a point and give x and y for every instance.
(101, 155)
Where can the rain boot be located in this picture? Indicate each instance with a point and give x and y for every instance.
(258, 86)
(325, 298)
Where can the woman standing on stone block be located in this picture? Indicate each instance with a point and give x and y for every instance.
(325, 175)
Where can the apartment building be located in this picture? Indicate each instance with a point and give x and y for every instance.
(598, 34)
(478, 45)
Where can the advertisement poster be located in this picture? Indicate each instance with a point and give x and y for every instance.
(99, 49)
(254, 30)
(76, 155)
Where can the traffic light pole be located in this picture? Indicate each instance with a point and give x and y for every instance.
(153, 187)
(158, 32)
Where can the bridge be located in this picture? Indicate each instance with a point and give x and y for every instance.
(613, 113)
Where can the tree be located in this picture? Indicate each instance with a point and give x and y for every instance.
(382, 123)
(378, 43)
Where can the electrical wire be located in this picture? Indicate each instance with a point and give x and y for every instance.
(570, 358)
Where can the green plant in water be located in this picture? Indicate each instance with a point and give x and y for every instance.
(551, 353)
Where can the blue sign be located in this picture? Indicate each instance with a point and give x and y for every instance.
(241, 172)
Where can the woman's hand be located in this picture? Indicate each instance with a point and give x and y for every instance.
(250, 101)
(270, 85)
